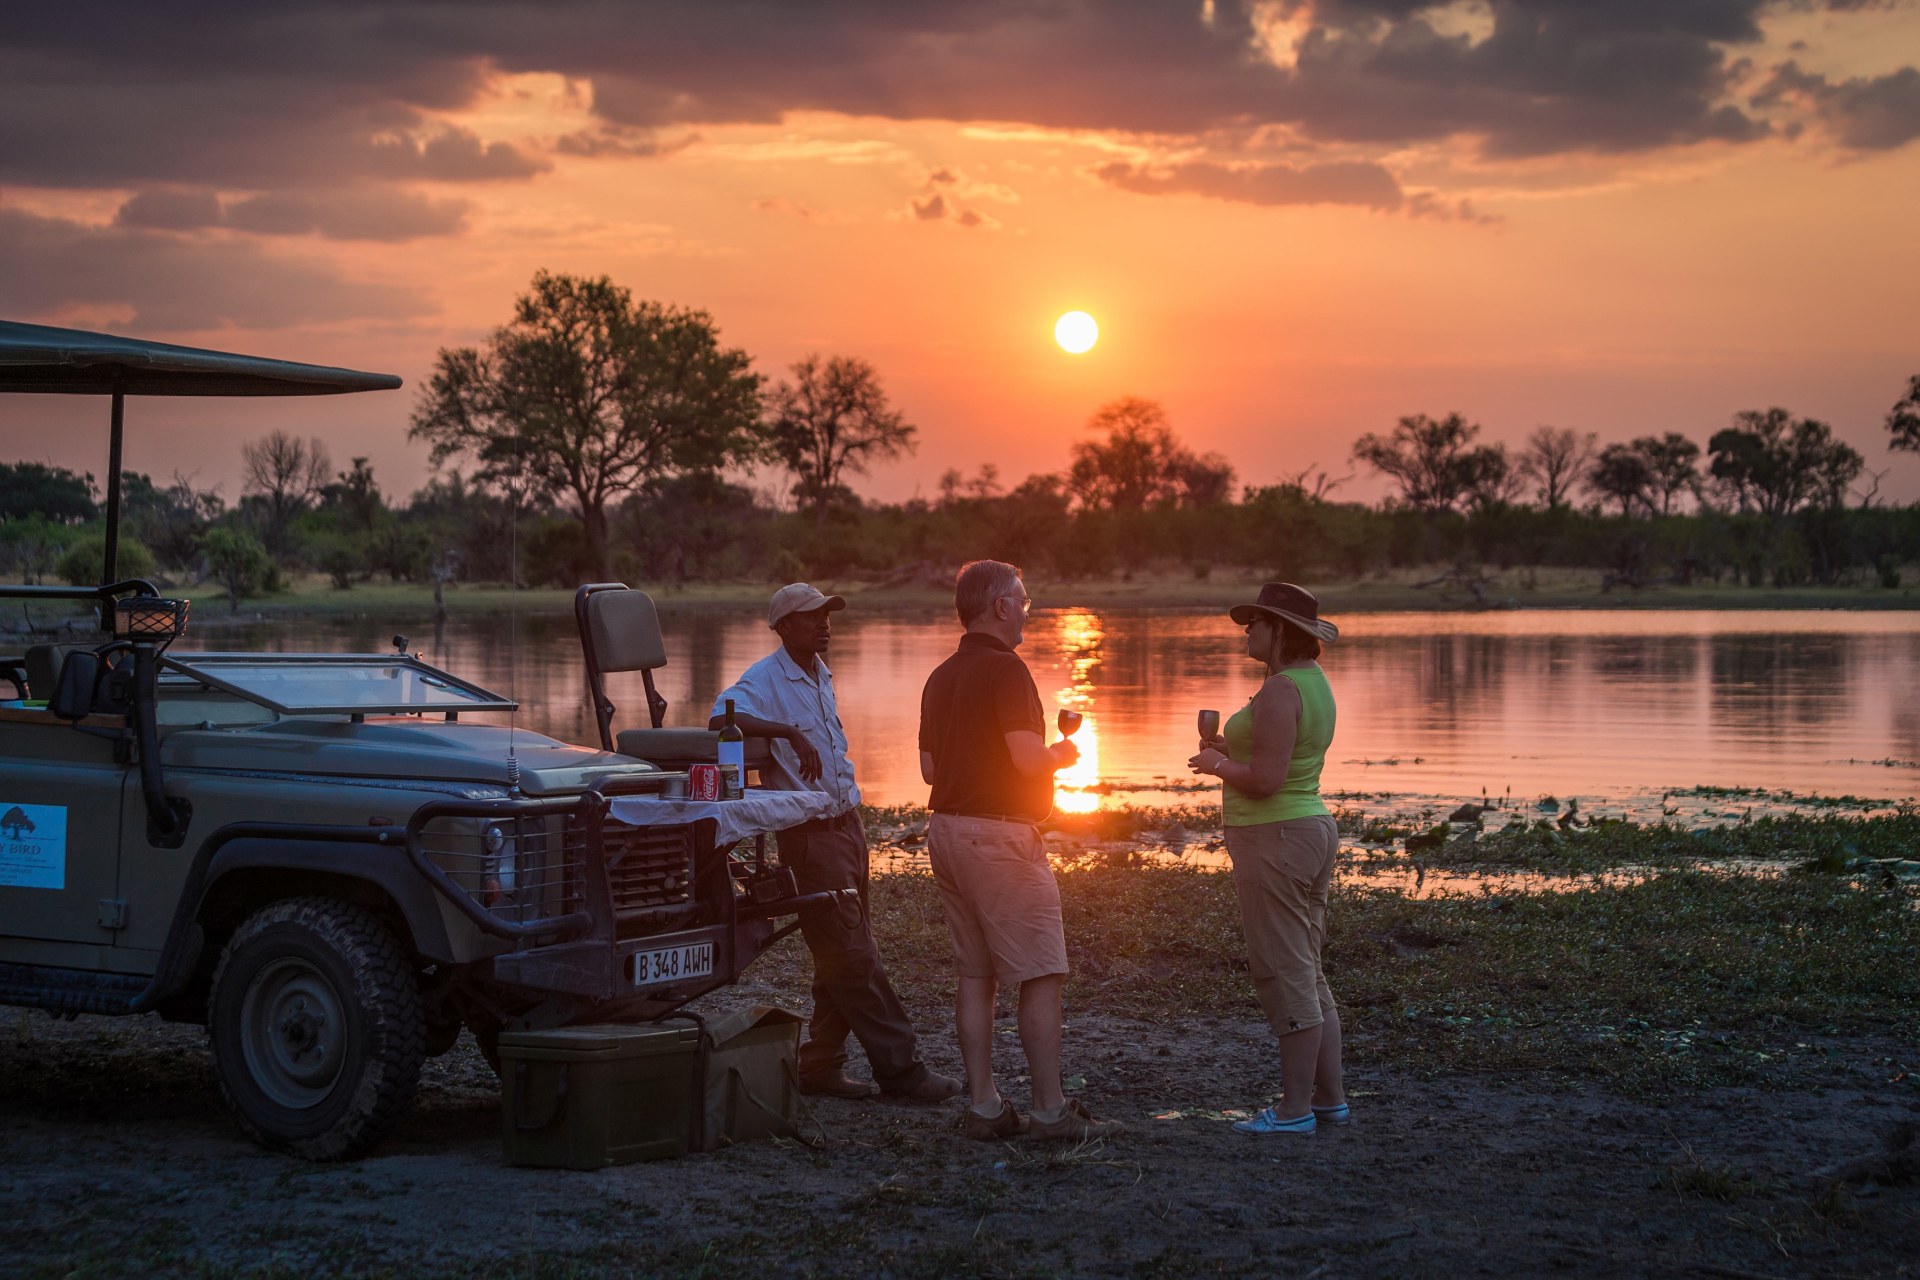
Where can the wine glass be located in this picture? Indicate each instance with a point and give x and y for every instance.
(1208, 723)
(1069, 722)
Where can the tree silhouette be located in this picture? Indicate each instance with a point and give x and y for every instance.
(586, 394)
(1140, 462)
(832, 420)
(1903, 420)
(1671, 467)
(1622, 473)
(1775, 463)
(283, 474)
(1429, 459)
(1553, 460)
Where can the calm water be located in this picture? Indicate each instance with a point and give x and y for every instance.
(1616, 709)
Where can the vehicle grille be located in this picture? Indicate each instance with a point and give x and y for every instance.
(541, 872)
(649, 867)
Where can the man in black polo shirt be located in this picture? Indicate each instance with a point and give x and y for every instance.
(983, 750)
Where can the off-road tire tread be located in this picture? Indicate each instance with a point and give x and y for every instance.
(397, 1023)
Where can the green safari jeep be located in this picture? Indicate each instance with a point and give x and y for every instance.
(322, 857)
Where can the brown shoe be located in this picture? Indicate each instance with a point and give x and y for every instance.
(1076, 1124)
(839, 1085)
(933, 1087)
(1008, 1123)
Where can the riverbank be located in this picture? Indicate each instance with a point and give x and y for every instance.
(1691, 1072)
(1417, 590)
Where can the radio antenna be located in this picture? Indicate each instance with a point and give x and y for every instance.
(513, 610)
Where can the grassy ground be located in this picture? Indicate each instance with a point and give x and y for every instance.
(1687, 976)
(1638, 1076)
(1398, 591)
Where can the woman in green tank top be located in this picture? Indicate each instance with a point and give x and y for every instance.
(1283, 843)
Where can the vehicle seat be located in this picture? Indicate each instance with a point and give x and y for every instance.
(620, 631)
(42, 663)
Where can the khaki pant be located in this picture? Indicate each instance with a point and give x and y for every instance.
(1281, 874)
(1002, 902)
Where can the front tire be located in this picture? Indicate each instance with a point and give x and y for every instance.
(317, 1028)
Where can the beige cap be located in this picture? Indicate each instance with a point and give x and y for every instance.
(799, 597)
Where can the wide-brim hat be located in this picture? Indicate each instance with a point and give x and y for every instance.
(1293, 604)
(800, 597)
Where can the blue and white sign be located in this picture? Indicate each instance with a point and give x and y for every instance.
(33, 846)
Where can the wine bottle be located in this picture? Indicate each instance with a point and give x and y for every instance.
(733, 757)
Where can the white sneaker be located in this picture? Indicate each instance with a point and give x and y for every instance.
(1268, 1122)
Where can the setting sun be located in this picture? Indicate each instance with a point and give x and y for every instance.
(1076, 332)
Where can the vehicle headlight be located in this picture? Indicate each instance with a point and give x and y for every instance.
(502, 870)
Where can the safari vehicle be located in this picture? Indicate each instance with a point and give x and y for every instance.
(322, 857)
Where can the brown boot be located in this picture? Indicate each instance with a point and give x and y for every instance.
(933, 1087)
(838, 1085)
(1076, 1124)
(1007, 1123)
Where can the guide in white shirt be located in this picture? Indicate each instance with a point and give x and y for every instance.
(788, 697)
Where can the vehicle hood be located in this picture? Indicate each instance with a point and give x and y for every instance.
(399, 748)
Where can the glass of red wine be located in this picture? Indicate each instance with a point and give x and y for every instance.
(1208, 723)
(1069, 722)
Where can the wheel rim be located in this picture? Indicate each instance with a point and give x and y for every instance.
(293, 1033)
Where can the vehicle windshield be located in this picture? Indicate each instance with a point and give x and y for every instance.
(340, 684)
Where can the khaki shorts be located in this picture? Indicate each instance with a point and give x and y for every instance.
(1281, 874)
(1002, 904)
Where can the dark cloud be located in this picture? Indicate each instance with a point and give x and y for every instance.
(943, 195)
(621, 143)
(173, 283)
(1351, 183)
(451, 155)
(166, 210)
(371, 214)
(366, 212)
(1874, 113)
(273, 94)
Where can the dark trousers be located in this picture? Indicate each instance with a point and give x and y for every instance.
(850, 988)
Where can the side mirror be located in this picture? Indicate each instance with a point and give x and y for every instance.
(73, 693)
(89, 684)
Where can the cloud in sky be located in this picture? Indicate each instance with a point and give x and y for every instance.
(169, 282)
(213, 127)
(1862, 113)
(120, 92)
(1346, 182)
(367, 213)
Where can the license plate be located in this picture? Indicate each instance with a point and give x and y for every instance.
(669, 964)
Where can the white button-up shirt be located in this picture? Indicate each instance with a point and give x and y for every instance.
(776, 689)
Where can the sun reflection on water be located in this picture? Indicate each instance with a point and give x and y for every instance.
(1080, 637)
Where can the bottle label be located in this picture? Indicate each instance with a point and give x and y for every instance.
(733, 767)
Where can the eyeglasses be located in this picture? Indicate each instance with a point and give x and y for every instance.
(1026, 602)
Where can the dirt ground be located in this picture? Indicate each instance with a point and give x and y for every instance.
(118, 1160)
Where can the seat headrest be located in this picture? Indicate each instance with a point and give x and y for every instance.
(43, 663)
(626, 631)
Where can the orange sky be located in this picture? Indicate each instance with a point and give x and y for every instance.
(1619, 284)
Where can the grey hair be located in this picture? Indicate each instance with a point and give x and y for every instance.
(979, 583)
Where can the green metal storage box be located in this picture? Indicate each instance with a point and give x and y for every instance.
(588, 1097)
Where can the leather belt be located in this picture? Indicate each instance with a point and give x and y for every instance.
(992, 817)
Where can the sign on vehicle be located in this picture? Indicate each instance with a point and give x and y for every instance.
(33, 845)
(669, 964)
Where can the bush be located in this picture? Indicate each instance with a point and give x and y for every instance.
(81, 562)
(238, 562)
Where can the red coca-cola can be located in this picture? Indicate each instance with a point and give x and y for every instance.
(703, 782)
